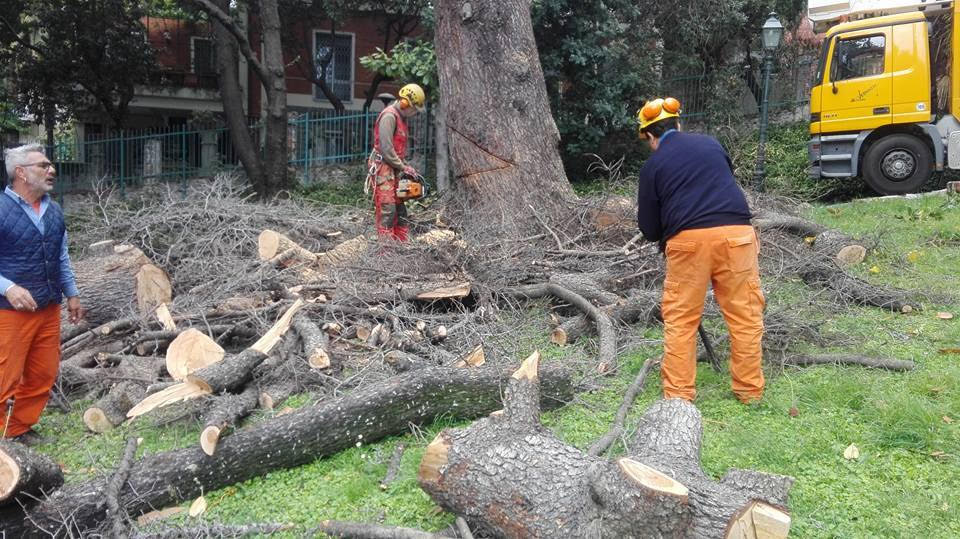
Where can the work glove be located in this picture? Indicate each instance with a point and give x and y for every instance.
(409, 171)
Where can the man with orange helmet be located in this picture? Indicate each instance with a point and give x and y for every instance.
(386, 162)
(690, 202)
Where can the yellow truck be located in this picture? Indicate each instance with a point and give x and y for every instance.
(885, 105)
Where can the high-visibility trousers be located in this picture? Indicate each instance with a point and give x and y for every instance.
(727, 258)
(390, 214)
(29, 360)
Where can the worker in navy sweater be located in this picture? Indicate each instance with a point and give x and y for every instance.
(689, 202)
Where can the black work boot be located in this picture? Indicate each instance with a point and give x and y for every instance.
(30, 438)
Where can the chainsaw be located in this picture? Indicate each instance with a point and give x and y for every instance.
(411, 186)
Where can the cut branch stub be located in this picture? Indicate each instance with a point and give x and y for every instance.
(190, 351)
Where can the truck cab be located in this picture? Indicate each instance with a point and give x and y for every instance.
(873, 110)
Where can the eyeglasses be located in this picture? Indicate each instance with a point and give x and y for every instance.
(42, 164)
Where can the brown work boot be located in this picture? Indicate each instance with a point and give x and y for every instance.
(30, 438)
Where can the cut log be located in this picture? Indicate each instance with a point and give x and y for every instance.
(111, 410)
(190, 351)
(344, 252)
(25, 474)
(224, 375)
(508, 474)
(271, 243)
(460, 290)
(225, 412)
(117, 284)
(229, 374)
(315, 342)
(367, 415)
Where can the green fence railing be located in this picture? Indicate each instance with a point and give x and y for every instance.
(131, 158)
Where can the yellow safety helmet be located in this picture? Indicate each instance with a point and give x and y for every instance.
(414, 95)
(657, 109)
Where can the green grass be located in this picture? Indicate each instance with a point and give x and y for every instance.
(906, 425)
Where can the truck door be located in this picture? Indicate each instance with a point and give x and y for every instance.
(858, 91)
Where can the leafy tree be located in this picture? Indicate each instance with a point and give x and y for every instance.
(599, 61)
(407, 62)
(74, 54)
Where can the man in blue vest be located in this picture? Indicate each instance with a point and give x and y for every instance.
(35, 274)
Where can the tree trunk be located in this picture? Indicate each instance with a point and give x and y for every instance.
(231, 96)
(442, 148)
(503, 140)
(510, 476)
(367, 415)
(275, 143)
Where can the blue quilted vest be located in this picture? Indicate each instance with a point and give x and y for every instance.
(27, 257)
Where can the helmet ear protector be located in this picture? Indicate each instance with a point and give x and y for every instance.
(657, 109)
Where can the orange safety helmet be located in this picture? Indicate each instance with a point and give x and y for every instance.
(657, 109)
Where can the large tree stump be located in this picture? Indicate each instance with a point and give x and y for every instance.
(25, 474)
(120, 282)
(503, 140)
(512, 477)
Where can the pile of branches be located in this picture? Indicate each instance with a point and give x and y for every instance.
(274, 300)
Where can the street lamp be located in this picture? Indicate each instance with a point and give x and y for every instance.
(771, 33)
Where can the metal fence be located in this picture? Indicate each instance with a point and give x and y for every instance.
(789, 89)
(131, 158)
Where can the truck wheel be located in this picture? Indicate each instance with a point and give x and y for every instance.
(897, 164)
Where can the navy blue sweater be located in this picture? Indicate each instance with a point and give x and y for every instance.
(688, 183)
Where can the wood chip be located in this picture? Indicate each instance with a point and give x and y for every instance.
(851, 452)
(198, 507)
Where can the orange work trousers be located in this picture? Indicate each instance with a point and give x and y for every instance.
(726, 257)
(29, 360)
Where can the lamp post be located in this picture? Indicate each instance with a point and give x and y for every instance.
(771, 33)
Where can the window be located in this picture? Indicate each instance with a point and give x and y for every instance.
(857, 57)
(203, 56)
(339, 72)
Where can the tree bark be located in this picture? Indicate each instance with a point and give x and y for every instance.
(25, 473)
(111, 409)
(231, 96)
(271, 176)
(503, 140)
(120, 283)
(365, 416)
(511, 477)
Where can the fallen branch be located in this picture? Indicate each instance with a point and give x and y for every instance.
(616, 430)
(872, 362)
(115, 513)
(361, 530)
(393, 467)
